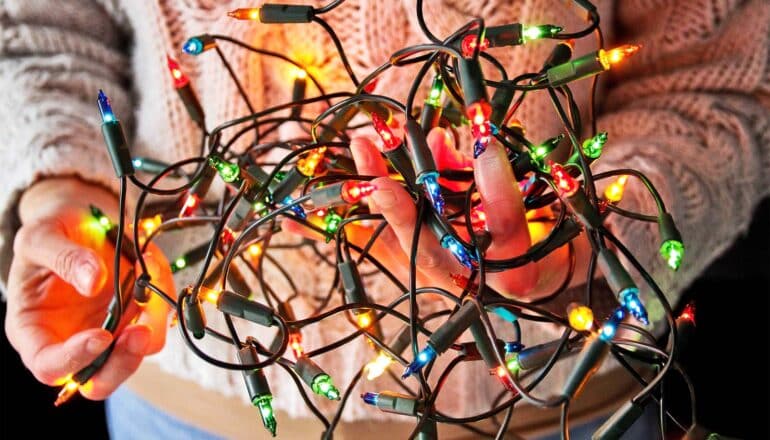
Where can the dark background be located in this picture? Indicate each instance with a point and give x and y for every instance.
(727, 361)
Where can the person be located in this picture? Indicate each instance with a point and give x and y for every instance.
(690, 111)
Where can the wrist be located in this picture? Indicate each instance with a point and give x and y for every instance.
(54, 194)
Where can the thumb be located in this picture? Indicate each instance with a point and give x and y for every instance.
(46, 244)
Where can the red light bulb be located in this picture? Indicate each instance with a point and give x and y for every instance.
(468, 45)
(688, 314)
(566, 184)
(190, 204)
(180, 79)
(353, 191)
(389, 141)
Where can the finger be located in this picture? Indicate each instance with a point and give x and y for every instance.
(506, 219)
(446, 155)
(46, 244)
(50, 359)
(368, 160)
(131, 347)
(398, 208)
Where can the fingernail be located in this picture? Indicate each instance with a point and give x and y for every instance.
(384, 198)
(84, 277)
(138, 342)
(97, 344)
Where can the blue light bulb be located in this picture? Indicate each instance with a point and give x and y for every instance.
(296, 209)
(193, 46)
(479, 147)
(370, 398)
(610, 326)
(629, 299)
(105, 109)
(433, 190)
(458, 250)
(425, 356)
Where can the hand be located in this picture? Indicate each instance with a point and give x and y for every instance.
(505, 221)
(60, 285)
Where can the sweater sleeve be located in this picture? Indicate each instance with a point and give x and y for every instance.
(54, 57)
(692, 112)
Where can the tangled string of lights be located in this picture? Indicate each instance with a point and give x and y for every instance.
(318, 174)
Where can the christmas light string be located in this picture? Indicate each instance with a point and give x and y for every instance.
(318, 173)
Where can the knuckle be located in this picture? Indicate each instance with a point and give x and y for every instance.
(427, 260)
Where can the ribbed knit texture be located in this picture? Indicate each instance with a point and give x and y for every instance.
(691, 110)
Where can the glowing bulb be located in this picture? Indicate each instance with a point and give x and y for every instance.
(458, 250)
(323, 386)
(105, 109)
(433, 190)
(434, 96)
(614, 191)
(68, 390)
(529, 33)
(566, 184)
(688, 314)
(608, 58)
(364, 320)
(229, 172)
(180, 79)
(308, 164)
(255, 250)
(354, 190)
(210, 295)
(581, 317)
(389, 140)
(469, 43)
(190, 204)
(375, 368)
(592, 148)
(149, 225)
(673, 252)
(265, 406)
(245, 14)
(425, 356)
(193, 46)
(178, 264)
(295, 343)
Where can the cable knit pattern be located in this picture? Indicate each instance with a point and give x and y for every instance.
(690, 111)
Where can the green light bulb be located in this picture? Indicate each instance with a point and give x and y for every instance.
(103, 220)
(179, 264)
(264, 403)
(513, 364)
(529, 33)
(229, 172)
(434, 97)
(323, 386)
(593, 147)
(539, 152)
(332, 220)
(673, 252)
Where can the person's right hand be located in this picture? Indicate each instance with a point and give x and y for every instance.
(60, 285)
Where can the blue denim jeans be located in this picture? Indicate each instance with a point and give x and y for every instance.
(130, 417)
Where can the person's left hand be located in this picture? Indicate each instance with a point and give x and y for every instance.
(502, 201)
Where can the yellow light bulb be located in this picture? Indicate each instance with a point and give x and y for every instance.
(614, 191)
(210, 295)
(581, 317)
(364, 320)
(255, 250)
(375, 368)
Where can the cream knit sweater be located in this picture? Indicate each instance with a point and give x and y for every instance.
(691, 110)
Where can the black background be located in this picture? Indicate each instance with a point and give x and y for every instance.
(728, 359)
